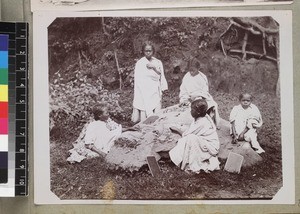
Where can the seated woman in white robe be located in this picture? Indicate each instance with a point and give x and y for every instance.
(198, 148)
(194, 86)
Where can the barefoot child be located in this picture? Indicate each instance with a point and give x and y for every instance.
(101, 133)
(245, 118)
(97, 136)
(198, 148)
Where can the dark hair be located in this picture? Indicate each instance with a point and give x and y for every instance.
(148, 43)
(98, 110)
(193, 63)
(245, 94)
(200, 107)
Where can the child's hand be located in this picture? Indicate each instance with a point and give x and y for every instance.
(153, 67)
(254, 125)
(150, 66)
(203, 146)
(234, 139)
(133, 128)
(186, 103)
(241, 136)
(176, 130)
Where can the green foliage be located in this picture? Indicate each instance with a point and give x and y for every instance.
(72, 101)
(83, 68)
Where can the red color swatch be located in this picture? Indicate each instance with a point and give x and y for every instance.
(3, 109)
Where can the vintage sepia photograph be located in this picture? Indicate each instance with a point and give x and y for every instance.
(163, 108)
(139, 4)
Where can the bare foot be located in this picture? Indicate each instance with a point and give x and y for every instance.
(260, 151)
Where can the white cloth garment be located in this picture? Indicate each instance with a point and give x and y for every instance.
(241, 116)
(198, 148)
(193, 87)
(148, 85)
(102, 134)
(250, 118)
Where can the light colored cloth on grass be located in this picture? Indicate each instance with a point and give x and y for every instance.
(98, 133)
(102, 134)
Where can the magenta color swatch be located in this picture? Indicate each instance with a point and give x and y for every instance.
(4, 126)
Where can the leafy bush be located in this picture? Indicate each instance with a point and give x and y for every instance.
(71, 102)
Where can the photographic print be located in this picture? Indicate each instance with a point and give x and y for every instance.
(139, 4)
(161, 108)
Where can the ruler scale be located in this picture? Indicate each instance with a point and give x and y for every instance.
(17, 105)
(21, 109)
(4, 108)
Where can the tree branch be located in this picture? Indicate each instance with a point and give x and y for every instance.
(103, 27)
(245, 41)
(119, 71)
(247, 23)
(254, 54)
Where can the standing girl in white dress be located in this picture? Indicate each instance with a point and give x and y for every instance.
(149, 83)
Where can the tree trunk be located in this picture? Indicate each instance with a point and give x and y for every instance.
(119, 71)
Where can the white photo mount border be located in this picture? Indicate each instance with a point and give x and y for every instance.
(92, 5)
(41, 21)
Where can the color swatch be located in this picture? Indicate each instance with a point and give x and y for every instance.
(3, 108)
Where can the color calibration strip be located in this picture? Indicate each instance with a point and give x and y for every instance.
(16, 97)
(4, 108)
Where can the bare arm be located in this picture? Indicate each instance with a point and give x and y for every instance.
(176, 130)
(241, 136)
(133, 128)
(94, 149)
(234, 134)
(183, 94)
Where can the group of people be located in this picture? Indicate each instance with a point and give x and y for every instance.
(199, 145)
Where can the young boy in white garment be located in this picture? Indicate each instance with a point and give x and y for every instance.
(245, 118)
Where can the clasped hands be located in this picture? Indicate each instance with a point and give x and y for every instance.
(153, 67)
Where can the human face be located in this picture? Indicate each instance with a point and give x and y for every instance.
(148, 51)
(105, 115)
(246, 101)
(194, 71)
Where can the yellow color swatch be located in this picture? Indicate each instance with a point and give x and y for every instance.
(3, 93)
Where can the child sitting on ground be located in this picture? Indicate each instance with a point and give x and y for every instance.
(198, 148)
(245, 118)
(101, 133)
